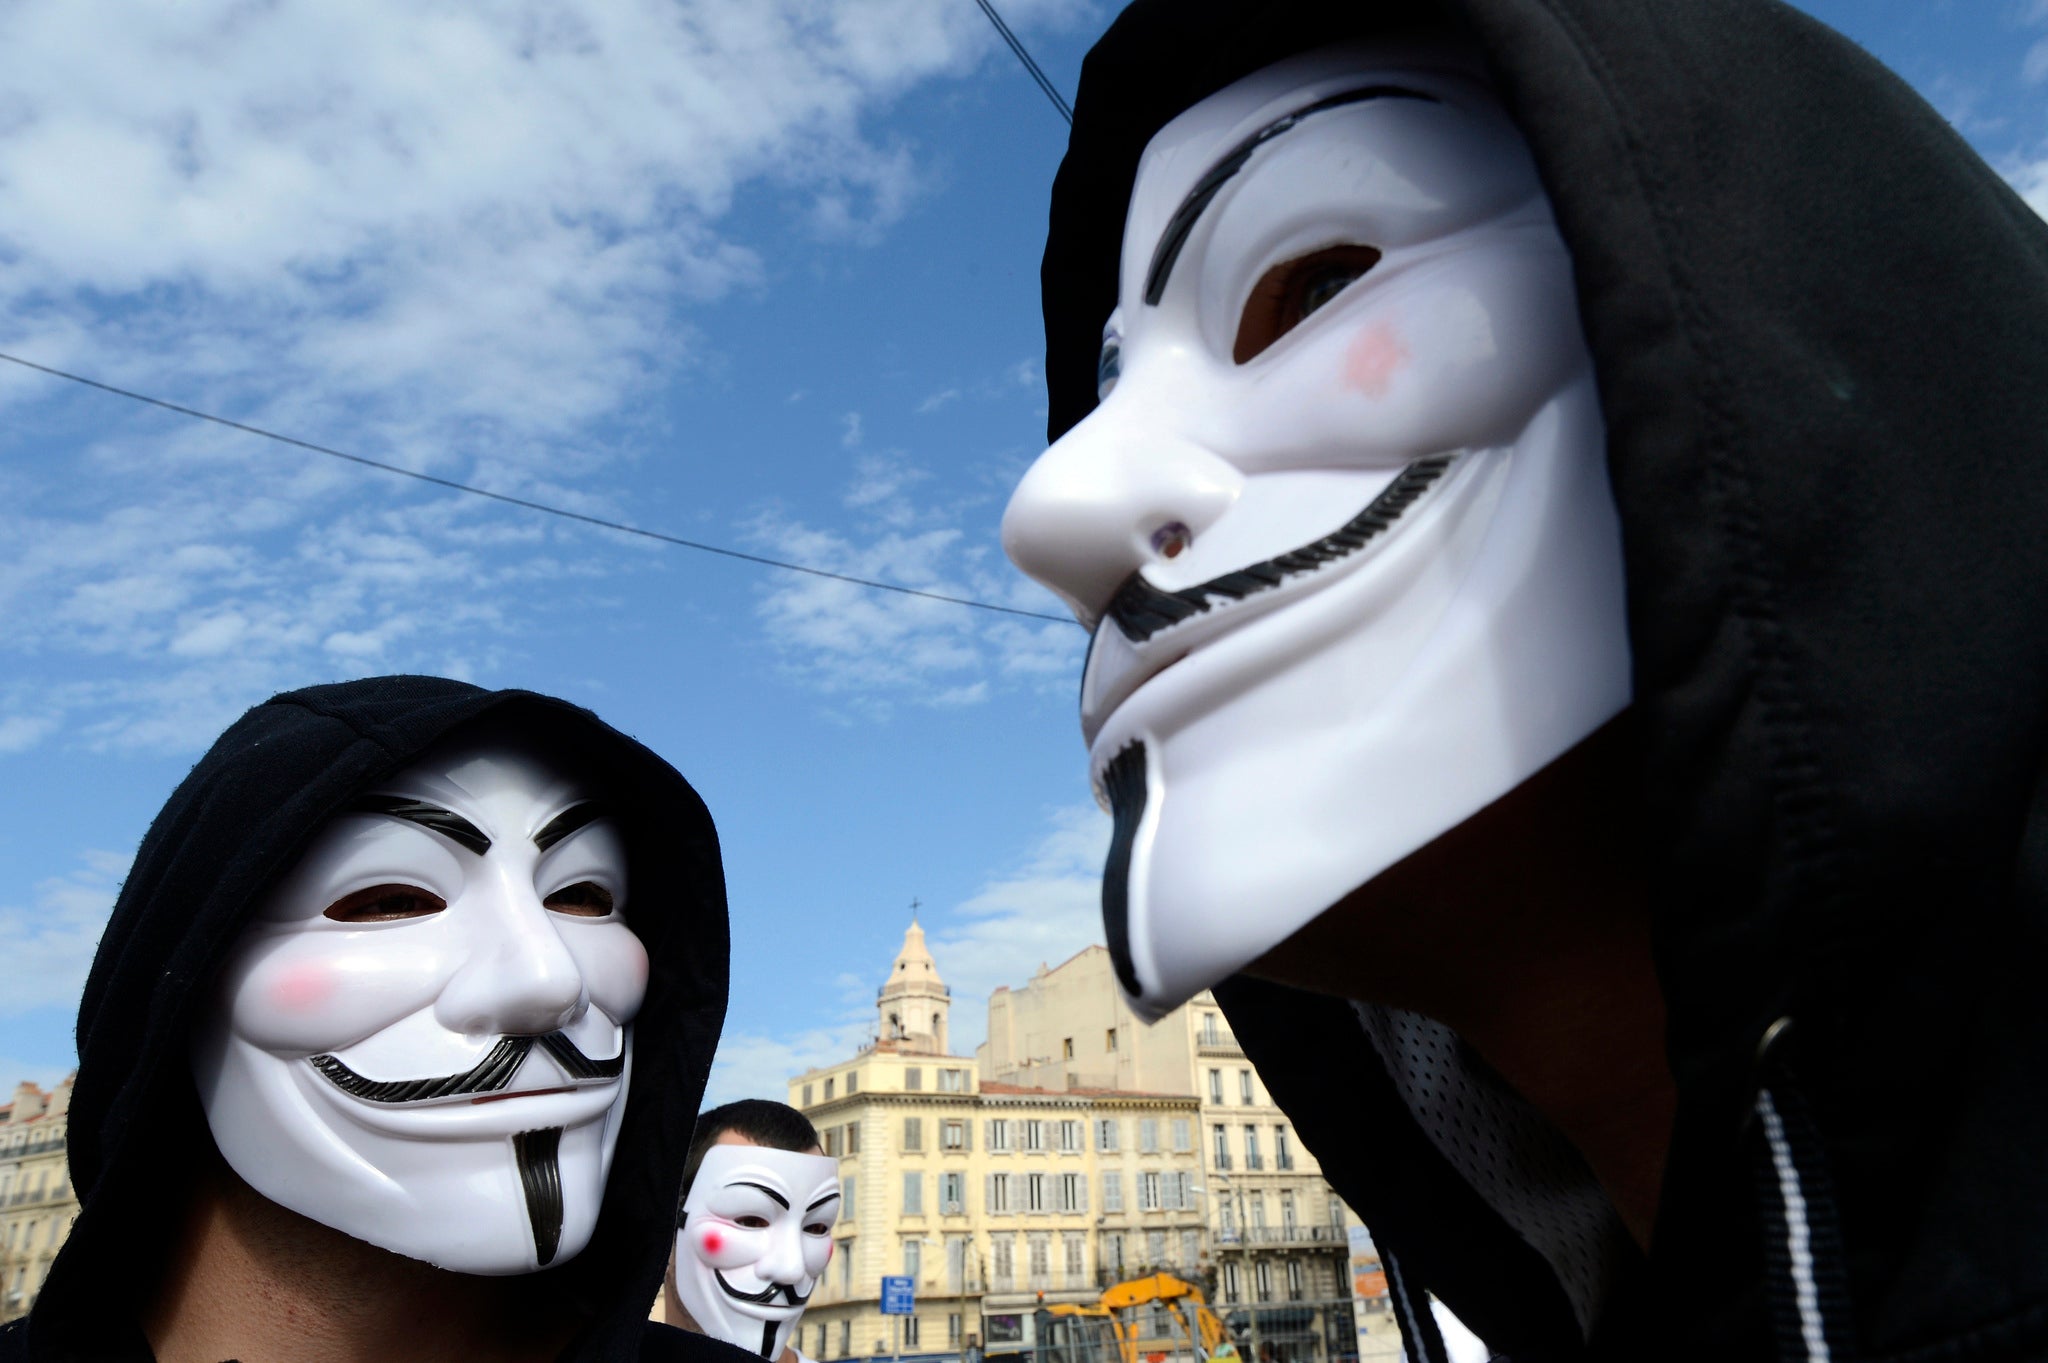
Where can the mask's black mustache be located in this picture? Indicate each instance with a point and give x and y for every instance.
(488, 1075)
(1141, 610)
(766, 1296)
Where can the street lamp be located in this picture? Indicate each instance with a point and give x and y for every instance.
(1244, 1250)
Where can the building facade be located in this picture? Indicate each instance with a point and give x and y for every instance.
(37, 1202)
(1077, 1148)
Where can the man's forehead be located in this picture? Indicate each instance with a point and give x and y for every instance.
(1183, 151)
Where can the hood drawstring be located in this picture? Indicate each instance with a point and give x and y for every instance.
(1804, 1276)
(1423, 1341)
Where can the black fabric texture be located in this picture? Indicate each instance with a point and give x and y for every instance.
(1819, 324)
(238, 821)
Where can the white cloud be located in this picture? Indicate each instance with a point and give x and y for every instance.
(751, 1065)
(48, 943)
(937, 400)
(453, 236)
(2031, 180)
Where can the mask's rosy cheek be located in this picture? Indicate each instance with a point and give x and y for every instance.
(725, 1246)
(1374, 359)
(712, 1242)
(301, 987)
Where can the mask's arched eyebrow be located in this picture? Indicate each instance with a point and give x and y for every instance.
(567, 822)
(1184, 218)
(446, 822)
(829, 1197)
(762, 1187)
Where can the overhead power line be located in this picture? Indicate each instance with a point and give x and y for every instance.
(531, 505)
(1044, 82)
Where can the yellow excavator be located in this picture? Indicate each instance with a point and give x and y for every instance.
(1110, 1330)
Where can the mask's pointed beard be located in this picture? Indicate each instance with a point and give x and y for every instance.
(768, 1338)
(1124, 782)
(540, 1174)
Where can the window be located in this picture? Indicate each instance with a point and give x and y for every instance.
(828, 1140)
(956, 1263)
(1244, 1087)
(1233, 1287)
(953, 1328)
(1283, 1150)
(1041, 1262)
(1034, 1192)
(1216, 1087)
(852, 1084)
(1190, 1250)
(913, 1078)
(1296, 1290)
(998, 1134)
(1073, 1193)
(1170, 1198)
(913, 1258)
(952, 1081)
(1256, 1204)
(913, 1133)
(1106, 1129)
(1148, 1191)
(1109, 1041)
(1336, 1207)
(1034, 1134)
(910, 1330)
(1067, 1049)
(1222, 1146)
(998, 1195)
(821, 1339)
(845, 1273)
(1228, 1216)
(1112, 1191)
(1183, 1135)
(853, 1138)
(828, 1089)
(846, 1204)
(1148, 1135)
(1155, 1248)
(1071, 1137)
(1251, 1147)
(1002, 1262)
(1287, 1216)
(845, 1334)
(1077, 1258)
(953, 1135)
(1263, 1274)
(952, 1194)
(807, 1103)
(1113, 1252)
(913, 1194)
(1210, 1034)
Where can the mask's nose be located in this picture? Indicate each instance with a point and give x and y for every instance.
(783, 1261)
(1119, 491)
(519, 977)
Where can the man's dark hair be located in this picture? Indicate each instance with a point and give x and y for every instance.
(762, 1121)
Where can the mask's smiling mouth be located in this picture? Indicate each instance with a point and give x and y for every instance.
(766, 1296)
(491, 1075)
(1141, 612)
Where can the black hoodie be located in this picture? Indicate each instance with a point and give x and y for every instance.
(233, 826)
(1820, 329)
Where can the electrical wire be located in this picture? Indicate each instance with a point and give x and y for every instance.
(1044, 82)
(529, 505)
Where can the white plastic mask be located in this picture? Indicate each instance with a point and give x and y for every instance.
(422, 1039)
(756, 1235)
(1341, 524)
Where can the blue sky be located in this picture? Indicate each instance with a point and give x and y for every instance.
(756, 272)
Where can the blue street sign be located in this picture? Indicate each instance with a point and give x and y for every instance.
(899, 1296)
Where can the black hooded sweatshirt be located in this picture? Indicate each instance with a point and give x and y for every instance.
(1819, 325)
(236, 823)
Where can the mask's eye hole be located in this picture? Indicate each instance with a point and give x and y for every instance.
(384, 903)
(584, 899)
(1292, 290)
(817, 1228)
(751, 1222)
(1107, 367)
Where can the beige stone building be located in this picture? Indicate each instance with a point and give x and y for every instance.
(1077, 1148)
(37, 1202)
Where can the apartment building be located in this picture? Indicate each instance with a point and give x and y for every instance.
(37, 1202)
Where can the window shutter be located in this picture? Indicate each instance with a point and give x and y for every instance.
(1081, 1191)
(967, 1134)
(988, 1194)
